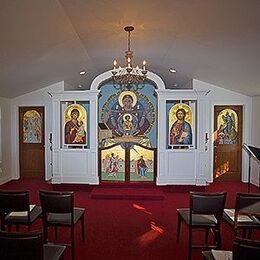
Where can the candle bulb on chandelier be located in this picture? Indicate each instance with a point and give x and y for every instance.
(128, 62)
(115, 63)
(144, 63)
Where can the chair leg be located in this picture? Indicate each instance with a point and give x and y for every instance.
(72, 243)
(82, 228)
(17, 227)
(235, 232)
(2, 220)
(206, 236)
(190, 243)
(2, 227)
(45, 233)
(217, 238)
(178, 228)
(29, 227)
(9, 227)
(56, 232)
(244, 233)
(250, 233)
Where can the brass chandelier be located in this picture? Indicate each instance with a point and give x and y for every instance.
(129, 77)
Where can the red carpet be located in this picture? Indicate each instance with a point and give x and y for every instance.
(127, 193)
(133, 229)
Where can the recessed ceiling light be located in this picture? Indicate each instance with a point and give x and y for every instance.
(172, 70)
(81, 73)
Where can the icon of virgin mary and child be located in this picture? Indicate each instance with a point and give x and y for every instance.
(74, 129)
(127, 116)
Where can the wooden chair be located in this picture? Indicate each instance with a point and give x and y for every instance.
(58, 211)
(205, 212)
(29, 246)
(243, 249)
(246, 214)
(15, 209)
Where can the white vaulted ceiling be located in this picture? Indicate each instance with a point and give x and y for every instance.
(45, 41)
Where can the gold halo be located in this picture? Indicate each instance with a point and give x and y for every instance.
(124, 117)
(173, 110)
(220, 120)
(82, 112)
(32, 113)
(129, 93)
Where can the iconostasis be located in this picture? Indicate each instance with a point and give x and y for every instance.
(136, 134)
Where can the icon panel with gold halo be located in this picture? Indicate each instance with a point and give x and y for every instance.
(82, 116)
(32, 129)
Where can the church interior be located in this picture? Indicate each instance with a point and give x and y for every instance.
(130, 130)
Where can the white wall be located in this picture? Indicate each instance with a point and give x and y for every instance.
(5, 155)
(255, 138)
(221, 96)
(212, 96)
(36, 98)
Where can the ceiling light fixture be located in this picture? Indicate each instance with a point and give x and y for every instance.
(129, 77)
(81, 73)
(172, 70)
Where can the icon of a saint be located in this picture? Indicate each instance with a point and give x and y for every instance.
(181, 132)
(126, 117)
(74, 129)
(142, 167)
(227, 132)
(113, 168)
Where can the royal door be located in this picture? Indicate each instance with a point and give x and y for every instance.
(127, 134)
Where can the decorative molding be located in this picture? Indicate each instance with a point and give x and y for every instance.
(108, 74)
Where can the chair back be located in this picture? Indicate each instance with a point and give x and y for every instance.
(21, 246)
(14, 201)
(56, 202)
(248, 203)
(246, 249)
(208, 203)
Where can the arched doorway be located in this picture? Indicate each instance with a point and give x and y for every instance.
(127, 134)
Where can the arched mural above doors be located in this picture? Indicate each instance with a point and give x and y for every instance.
(127, 121)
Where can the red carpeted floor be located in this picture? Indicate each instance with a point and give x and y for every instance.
(139, 193)
(133, 228)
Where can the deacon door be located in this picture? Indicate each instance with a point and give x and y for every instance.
(31, 141)
(228, 142)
